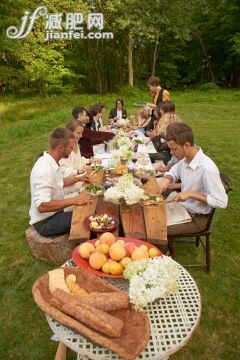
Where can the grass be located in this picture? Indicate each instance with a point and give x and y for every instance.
(25, 124)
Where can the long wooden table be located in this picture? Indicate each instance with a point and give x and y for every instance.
(145, 223)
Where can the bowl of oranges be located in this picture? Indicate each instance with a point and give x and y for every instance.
(109, 255)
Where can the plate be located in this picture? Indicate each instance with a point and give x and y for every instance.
(84, 264)
(86, 223)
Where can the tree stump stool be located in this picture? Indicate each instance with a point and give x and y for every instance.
(56, 250)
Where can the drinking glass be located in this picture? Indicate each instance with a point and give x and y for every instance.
(144, 179)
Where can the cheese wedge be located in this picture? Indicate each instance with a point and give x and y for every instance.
(57, 281)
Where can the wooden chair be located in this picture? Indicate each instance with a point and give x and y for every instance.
(184, 238)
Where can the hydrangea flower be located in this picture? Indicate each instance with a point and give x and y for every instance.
(151, 279)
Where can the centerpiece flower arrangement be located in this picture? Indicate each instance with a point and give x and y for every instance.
(122, 140)
(126, 190)
(151, 279)
(122, 123)
(123, 154)
(122, 148)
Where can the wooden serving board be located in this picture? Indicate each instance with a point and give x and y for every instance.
(80, 212)
(106, 207)
(133, 221)
(156, 224)
(155, 217)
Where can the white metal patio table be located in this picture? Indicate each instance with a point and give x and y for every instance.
(173, 320)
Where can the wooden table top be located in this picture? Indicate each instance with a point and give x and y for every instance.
(144, 223)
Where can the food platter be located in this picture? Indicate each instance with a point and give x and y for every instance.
(84, 264)
(94, 190)
(111, 227)
(152, 201)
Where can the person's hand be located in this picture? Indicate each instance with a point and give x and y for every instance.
(95, 161)
(82, 199)
(183, 196)
(151, 133)
(83, 169)
(161, 169)
(174, 186)
(83, 178)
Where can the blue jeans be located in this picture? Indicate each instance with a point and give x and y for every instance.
(56, 225)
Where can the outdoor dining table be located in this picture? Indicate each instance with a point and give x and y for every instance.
(144, 223)
(173, 320)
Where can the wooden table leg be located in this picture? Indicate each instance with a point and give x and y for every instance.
(61, 353)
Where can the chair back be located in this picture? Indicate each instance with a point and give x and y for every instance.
(228, 187)
(226, 182)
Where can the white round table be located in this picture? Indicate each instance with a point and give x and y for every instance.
(173, 321)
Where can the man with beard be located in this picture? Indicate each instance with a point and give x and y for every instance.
(46, 182)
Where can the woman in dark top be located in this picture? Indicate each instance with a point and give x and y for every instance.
(89, 137)
(118, 112)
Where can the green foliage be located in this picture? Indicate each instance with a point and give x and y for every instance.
(191, 42)
(208, 87)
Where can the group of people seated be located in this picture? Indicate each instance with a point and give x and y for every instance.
(58, 175)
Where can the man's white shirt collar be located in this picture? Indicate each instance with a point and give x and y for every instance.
(195, 161)
(53, 161)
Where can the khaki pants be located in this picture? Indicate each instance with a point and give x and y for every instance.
(198, 223)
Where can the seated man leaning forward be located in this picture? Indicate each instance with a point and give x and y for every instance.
(47, 195)
(201, 185)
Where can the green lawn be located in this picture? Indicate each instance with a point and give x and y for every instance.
(25, 125)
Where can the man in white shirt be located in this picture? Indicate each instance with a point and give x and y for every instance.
(46, 181)
(201, 185)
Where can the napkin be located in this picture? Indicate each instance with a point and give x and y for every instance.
(176, 213)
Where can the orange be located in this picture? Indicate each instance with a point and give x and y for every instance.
(125, 261)
(107, 238)
(97, 260)
(139, 254)
(116, 268)
(153, 252)
(117, 251)
(86, 249)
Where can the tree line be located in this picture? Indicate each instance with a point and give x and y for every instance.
(185, 43)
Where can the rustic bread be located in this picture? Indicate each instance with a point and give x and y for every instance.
(101, 300)
(135, 333)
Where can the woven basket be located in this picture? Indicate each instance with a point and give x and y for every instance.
(136, 331)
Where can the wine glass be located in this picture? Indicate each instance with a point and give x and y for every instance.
(135, 148)
(144, 179)
(134, 160)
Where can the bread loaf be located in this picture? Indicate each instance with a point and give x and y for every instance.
(94, 318)
(103, 301)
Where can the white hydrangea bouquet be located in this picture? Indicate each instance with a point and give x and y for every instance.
(122, 140)
(122, 153)
(123, 123)
(124, 189)
(151, 279)
(122, 148)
